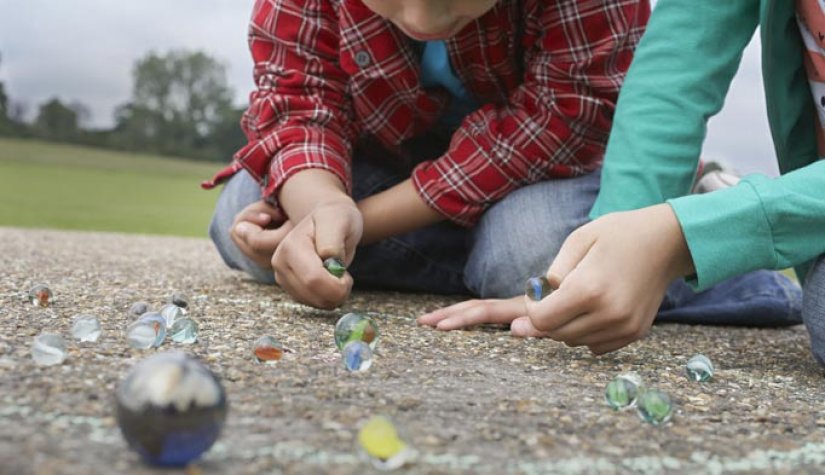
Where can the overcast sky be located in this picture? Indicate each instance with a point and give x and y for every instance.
(83, 50)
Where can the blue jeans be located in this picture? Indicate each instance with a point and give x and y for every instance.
(516, 238)
(813, 308)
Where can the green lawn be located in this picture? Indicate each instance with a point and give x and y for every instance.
(46, 185)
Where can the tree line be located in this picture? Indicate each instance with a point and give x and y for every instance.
(181, 105)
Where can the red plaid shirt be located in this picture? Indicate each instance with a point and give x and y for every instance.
(330, 72)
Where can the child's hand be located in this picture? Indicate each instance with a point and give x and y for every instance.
(253, 233)
(475, 312)
(611, 276)
(331, 229)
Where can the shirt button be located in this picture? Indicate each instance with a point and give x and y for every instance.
(362, 58)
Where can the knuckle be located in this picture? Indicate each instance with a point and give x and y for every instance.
(639, 333)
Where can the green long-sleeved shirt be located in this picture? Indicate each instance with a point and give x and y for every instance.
(678, 80)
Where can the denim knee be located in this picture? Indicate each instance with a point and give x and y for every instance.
(520, 236)
(238, 193)
(813, 308)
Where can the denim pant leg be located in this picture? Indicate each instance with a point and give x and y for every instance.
(238, 193)
(428, 260)
(760, 298)
(519, 236)
(813, 308)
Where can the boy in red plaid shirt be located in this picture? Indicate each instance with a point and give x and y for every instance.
(444, 139)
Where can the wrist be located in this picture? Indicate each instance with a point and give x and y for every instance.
(395, 211)
(680, 259)
(310, 189)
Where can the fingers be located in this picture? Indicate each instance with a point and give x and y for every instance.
(260, 213)
(300, 271)
(560, 307)
(331, 233)
(610, 346)
(522, 327)
(573, 250)
(265, 241)
(474, 312)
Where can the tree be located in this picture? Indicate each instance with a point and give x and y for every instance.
(5, 121)
(56, 121)
(178, 101)
(83, 114)
(4, 103)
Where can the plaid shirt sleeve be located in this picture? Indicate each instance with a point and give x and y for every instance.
(297, 117)
(555, 124)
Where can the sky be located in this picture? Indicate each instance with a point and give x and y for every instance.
(83, 50)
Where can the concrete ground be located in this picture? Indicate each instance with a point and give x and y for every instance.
(470, 402)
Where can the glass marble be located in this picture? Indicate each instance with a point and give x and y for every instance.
(537, 288)
(623, 391)
(139, 308)
(40, 295)
(335, 266)
(267, 349)
(654, 407)
(49, 349)
(141, 335)
(354, 326)
(170, 409)
(86, 328)
(184, 330)
(357, 356)
(171, 313)
(148, 331)
(180, 300)
(379, 442)
(699, 368)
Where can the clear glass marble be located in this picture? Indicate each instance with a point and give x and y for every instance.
(171, 313)
(139, 308)
(623, 391)
(357, 356)
(537, 288)
(654, 407)
(86, 328)
(354, 326)
(699, 368)
(335, 266)
(184, 330)
(49, 349)
(267, 349)
(148, 331)
(40, 295)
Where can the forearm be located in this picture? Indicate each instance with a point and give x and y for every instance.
(307, 189)
(395, 211)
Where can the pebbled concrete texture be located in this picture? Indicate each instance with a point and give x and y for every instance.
(471, 402)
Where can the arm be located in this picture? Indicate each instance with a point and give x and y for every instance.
(679, 78)
(613, 272)
(555, 124)
(760, 223)
(299, 144)
(297, 117)
(395, 211)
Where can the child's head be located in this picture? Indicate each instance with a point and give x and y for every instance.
(428, 20)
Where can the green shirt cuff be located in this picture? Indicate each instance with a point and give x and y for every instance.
(727, 232)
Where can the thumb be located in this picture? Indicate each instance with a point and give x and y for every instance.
(573, 250)
(330, 236)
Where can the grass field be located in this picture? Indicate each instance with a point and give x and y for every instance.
(47, 185)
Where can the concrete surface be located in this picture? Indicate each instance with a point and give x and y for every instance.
(470, 402)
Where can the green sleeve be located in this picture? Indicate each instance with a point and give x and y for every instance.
(762, 223)
(678, 79)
